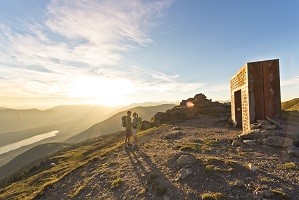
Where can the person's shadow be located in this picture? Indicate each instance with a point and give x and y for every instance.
(145, 169)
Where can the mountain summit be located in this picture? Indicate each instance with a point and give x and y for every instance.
(201, 157)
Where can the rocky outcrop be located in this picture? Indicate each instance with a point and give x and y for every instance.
(278, 141)
(264, 132)
(146, 125)
(189, 109)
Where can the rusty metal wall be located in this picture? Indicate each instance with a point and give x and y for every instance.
(272, 94)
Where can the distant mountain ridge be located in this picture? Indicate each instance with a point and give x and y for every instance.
(113, 124)
(29, 156)
(291, 105)
(15, 120)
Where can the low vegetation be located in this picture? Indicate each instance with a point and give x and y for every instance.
(212, 196)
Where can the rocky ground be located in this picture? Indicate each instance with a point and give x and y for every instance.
(189, 159)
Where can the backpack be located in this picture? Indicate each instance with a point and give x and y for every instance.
(139, 123)
(123, 121)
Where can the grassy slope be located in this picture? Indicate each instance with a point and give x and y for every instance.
(33, 179)
(291, 105)
(29, 156)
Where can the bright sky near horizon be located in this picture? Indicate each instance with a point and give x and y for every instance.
(116, 52)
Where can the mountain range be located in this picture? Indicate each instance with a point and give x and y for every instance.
(291, 105)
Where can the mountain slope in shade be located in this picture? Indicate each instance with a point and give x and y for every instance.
(29, 156)
(291, 105)
(113, 124)
(14, 120)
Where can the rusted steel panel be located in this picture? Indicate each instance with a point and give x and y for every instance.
(256, 91)
(272, 89)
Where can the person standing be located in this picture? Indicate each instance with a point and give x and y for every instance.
(134, 128)
(128, 129)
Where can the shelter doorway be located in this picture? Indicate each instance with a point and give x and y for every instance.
(238, 108)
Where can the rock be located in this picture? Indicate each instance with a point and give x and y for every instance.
(253, 134)
(294, 151)
(183, 113)
(264, 193)
(183, 173)
(259, 133)
(263, 122)
(255, 126)
(294, 137)
(174, 135)
(237, 143)
(176, 128)
(146, 125)
(269, 127)
(278, 141)
(252, 167)
(185, 160)
(166, 197)
(250, 142)
(159, 118)
(239, 184)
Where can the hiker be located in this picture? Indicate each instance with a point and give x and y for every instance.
(134, 128)
(128, 124)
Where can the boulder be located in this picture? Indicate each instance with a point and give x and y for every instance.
(278, 141)
(263, 122)
(146, 125)
(185, 160)
(294, 137)
(265, 193)
(250, 142)
(268, 126)
(183, 173)
(255, 126)
(254, 134)
(174, 135)
(294, 151)
(237, 143)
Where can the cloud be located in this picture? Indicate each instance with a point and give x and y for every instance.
(294, 81)
(77, 51)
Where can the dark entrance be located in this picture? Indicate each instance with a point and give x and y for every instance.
(238, 108)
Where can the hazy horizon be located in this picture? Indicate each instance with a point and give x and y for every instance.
(39, 103)
(118, 52)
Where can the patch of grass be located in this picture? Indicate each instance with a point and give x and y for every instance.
(77, 157)
(141, 192)
(213, 164)
(290, 166)
(79, 188)
(212, 142)
(116, 183)
(213, 168)
(266, 180)
(230, 162)
(212, 196)
(280, 194)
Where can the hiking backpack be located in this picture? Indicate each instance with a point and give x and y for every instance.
(139, 123)
(123, 121)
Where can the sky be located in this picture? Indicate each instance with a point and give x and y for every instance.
(117, 52)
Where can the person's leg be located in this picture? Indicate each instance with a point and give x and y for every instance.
(135, 136)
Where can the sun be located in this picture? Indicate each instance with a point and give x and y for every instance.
(101, 90)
